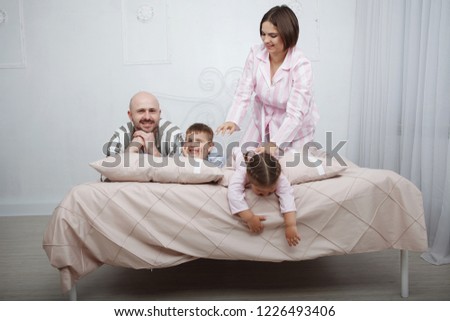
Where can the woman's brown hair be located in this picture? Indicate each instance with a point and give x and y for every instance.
(286, 22)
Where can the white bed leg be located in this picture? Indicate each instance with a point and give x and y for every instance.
(73, 293)
(404, 273)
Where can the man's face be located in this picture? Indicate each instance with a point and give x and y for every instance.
(144, 112)
(197, 145)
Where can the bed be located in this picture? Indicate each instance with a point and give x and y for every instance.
(153, 224)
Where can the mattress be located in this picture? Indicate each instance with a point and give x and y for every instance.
(157, 225)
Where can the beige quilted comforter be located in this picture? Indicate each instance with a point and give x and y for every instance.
(153, 225)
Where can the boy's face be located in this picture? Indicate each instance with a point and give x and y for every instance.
(197, 145)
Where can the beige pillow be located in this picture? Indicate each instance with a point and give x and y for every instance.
(297, 168)
(227, 174)
(133, 167)
(301, 168)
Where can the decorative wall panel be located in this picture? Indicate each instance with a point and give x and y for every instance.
(12, 39)
(145, 39)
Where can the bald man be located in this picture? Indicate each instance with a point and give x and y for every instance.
(146, 132)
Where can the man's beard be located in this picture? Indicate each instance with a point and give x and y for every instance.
(142, 125)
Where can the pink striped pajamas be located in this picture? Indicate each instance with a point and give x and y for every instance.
(286, 100)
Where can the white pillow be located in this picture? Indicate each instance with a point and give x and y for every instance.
(312, 166)
(134, 167)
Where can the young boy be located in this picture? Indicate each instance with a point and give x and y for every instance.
(199, 143)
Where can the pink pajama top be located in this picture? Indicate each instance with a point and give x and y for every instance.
(285, 102)
(239, 182)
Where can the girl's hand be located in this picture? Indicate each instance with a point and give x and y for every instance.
(291, 233)
(292, 236)
(227, 127)
(254, 223)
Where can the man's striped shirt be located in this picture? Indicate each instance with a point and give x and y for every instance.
(168, 139)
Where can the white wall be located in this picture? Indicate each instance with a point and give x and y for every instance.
(63, 104)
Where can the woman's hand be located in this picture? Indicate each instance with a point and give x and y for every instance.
(269, 148)
(227, 127)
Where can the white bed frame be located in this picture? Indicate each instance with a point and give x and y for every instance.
(404, 271)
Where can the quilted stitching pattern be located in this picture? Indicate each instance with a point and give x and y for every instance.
(152, 225)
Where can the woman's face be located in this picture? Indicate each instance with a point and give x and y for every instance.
(271, 38)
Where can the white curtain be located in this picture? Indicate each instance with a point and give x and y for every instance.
(400, 102)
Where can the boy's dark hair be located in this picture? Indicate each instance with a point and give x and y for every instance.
(201, 128)
(263, 169)
(285, 20)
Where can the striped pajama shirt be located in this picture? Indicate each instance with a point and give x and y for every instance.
(168, 139)
(285, 103)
